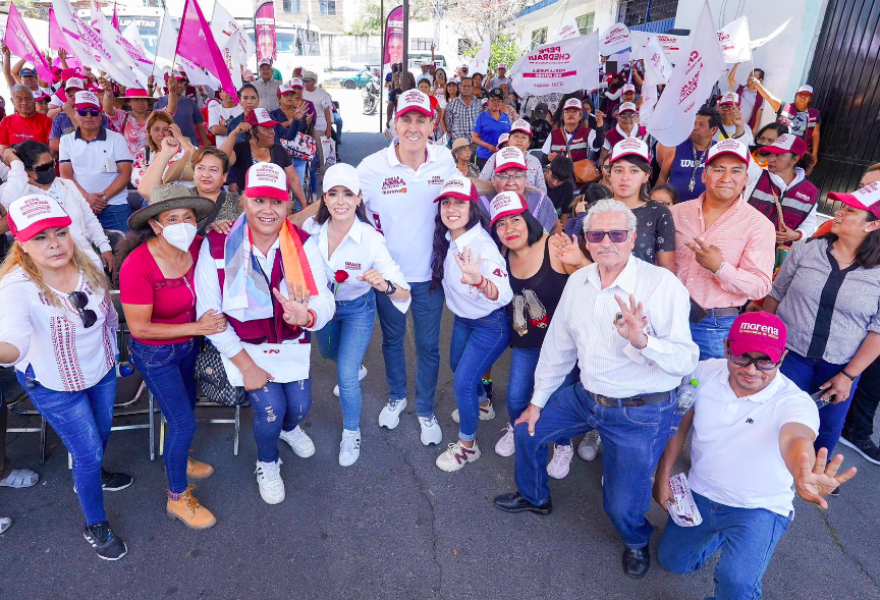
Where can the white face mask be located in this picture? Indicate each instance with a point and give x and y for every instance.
(179, 235)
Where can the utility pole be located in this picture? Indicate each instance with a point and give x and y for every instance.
(405, 44)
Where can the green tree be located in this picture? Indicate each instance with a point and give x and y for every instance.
(372, 20)
(504, 50)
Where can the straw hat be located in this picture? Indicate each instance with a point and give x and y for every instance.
(170, 197)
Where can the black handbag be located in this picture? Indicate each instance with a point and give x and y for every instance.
(211, 374)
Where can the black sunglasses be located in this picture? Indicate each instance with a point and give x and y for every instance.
(80, 301)
(741, 360)
(91, 112)
(49, 166)
(616, 236)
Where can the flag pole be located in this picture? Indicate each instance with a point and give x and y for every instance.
(381, 59)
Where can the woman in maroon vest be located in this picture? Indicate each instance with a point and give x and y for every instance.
(785, 181)
(627, 126)
(574, 139)
(802, 120)
(267, 277)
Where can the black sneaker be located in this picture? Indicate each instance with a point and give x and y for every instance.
(105, 543)
(865, 447)
(487, 386)
(113, 482)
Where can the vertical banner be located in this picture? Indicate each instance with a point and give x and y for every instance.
(19, 41)
(393, 39)
(264, 31)
(562, 67)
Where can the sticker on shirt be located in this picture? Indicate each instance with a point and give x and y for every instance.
(435, 180)
(393, 185)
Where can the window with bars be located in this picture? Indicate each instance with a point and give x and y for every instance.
(421, 44)
(585, 23)
(293, 7)
(635, 12)
(327, 8)
(539, 36)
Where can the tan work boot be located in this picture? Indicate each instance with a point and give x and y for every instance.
(190, 512)
(198, 470)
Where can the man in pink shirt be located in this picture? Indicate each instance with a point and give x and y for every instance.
(724, 248)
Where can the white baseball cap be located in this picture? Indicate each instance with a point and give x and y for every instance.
(458, 186)
(630, 146)
(805, 89)
(284, 89)
(266, 180)
(502, 139)
(628, 89)
(787, 142)
(34, 213)
(502, 65)
(505, 204)
(573, 103)
(295, 82)
(866, 198)
(266, 61)
(509, 158)
(729, 99)
(260, 117)
(627, 107)
(342, 174)
(414, 100)
(86, 100)
(521, 125)
(74, 83)
(729, 146)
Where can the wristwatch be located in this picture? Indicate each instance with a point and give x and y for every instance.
(102, 196)
(391, 289)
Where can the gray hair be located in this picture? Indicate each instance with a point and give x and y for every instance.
(609, 206)
(20, 87)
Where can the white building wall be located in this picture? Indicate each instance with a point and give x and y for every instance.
(554, 15)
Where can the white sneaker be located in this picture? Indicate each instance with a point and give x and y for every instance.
(390, 415)
(301, 444)
(349, 447)
(269, 480)
(588, 449)
(487, 413)
(431, 432)
(506, 445)
(362, 372)
(561, 461)
(457, 456)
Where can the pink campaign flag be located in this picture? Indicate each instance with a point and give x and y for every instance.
(57, 39)
(196, 43)
(116, 19)
(19, 41)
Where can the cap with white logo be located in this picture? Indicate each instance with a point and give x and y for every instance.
(867, 198)
(509, 158)
(74, 83)
(414, 100)
(573, 103)
(505, 204)
(627, 107)
(521, 125)
(787, 142)
(260, 117)
(296, 82)
(266, 61)
(458, 186)
(731, 147)
(630, 146)
(86, 100)
(266, 180)
(32, 214)
(729, 99)
(284, 89)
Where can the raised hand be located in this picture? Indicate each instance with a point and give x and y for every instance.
(632, 323)
(567, 250)
(296, 305)
(170, 145)
(470, 269)
(600, 119)
(812, 484)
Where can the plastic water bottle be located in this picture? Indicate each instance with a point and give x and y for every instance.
(124, 368)
(687, 393)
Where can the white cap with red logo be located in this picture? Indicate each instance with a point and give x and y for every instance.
(509, 158)
(787, 142)
(86, 100)
(628, 89)
(502, 139)
(266, 180)
(32, 214)
(630, 146)
(74, 83)
(573, 103)
(458, 186)
(729, 99)
(729, 146)
(505, 204)
(266, 61)
(295, 82)
(414, 100)
(521, 125)
(805, 89)
(866, 198)
(627, 107)
(284, 89)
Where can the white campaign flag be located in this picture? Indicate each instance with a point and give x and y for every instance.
(614, 39)
(235, 45)
(673, 45)
(735, 41)
(650, 95)
(480, 62)
(125, 49)
(655, 60)
(689, 86)
(167, 45)
(567, 29)
(755, 44)
(561, 67)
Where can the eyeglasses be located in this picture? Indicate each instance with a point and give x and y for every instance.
(80, 301)
(90, 112)
(616, 236)
(627, 117)
(741, 360)
(49, 166)
(511, 177)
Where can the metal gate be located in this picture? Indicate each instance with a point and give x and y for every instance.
(846, 77)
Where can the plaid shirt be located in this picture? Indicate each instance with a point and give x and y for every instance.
(460, 119)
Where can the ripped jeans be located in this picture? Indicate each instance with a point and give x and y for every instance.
(277, 407)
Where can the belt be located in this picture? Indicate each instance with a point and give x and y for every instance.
(733, 311)
(632, 401)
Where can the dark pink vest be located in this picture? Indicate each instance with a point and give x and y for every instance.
(613, 136)
(797, 201)
(579, 147)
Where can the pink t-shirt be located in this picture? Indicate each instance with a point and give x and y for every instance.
(174, 300)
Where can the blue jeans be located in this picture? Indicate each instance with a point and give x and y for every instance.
(427, 310)
(277, 407)
(808, 374)
(633, 439)
(344, 340)
(168, 372)
(747, 536)
(299, 165)
(709, 334)
(316, 164)
(521, 383)
(115, 216)
(82, 420)
(476, 345)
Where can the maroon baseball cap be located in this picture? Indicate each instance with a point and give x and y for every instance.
(758, 332)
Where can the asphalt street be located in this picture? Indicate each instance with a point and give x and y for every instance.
(392, 526)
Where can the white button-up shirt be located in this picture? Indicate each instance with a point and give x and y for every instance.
(363, 248)
(464, 300)
(731, 432)
(583, 331)
(400, 202)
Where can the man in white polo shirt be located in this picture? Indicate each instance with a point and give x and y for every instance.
(99, 162)
(753, 439)
(399, 186)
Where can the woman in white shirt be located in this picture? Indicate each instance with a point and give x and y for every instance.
(32, 171)
(267, 277)
(358, 267)
(473, 273)
(58, 327)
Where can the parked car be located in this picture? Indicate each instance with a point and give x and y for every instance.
(359, 80)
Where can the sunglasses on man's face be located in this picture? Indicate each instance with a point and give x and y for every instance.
(88, 112)
(742, 360)
(80, 301)
(49, 166)
(617, 236)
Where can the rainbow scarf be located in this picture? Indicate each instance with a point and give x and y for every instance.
(246, 292)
